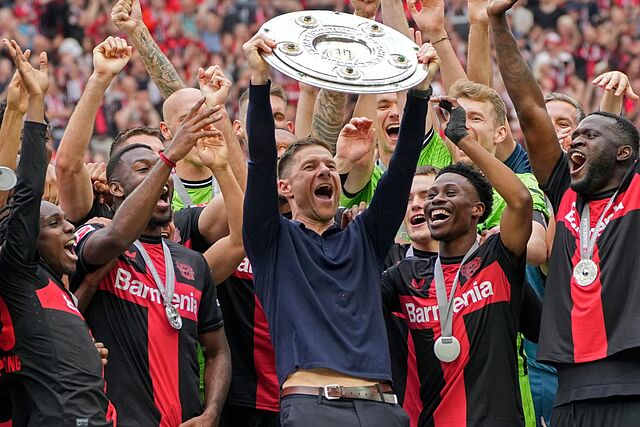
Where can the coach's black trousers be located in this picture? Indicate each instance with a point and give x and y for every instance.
(613, 412)
(312, 411)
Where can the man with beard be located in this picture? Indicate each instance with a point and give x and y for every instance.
(319, 284)
(159, 299)
(46, 350)
(457, 329)
(589, 328)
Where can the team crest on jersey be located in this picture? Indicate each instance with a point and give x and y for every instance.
(470, 268)
(185, 270)
(417, 285)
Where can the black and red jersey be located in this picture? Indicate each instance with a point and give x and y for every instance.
(481, 386)
(404, 372)
(254, 382)
(48, 362)
(595, 326)
(186, 222)
(153, 373)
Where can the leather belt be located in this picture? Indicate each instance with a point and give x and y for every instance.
(378, 393)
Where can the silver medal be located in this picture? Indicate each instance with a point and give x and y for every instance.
(585, 272)
(447, 349)
(173, 316)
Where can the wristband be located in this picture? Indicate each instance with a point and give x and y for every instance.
(440, 40)
(167, 161)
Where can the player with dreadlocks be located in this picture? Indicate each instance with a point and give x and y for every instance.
(48, 357)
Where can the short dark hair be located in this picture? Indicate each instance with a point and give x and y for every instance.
(114, 160)
(275, 90)
(427, 170)
(627, 130)
(479, 182)
(289, 154)
(555, 96)
(126, 134)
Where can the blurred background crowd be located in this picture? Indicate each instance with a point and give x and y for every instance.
(567, 44)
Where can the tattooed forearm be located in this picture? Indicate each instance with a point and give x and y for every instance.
(518, 79)
(157, 64)
(327, 117)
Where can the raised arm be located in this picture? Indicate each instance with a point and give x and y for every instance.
(479, 48)
(430, 21)
(387, 207)
(215, 86)
(261, 200)
(133, 215)
(127, 16)
(515, 223)
(22, 229)
(616, 85)
(537, 128)
(225, 254)
(304, 109)
(327, 117)
(74, 181)
(17, 103)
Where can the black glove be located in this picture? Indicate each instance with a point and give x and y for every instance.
(457, 126)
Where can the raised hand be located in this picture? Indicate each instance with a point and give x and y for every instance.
(500, 7)
(456, 129)
(214, 85)
(430, 18)
(351, 213)
(253, 51)
(212, 150)
(478, 11)
(127, 15)
(618, 81)
(365, 8)
(111, 56)
(427, 56)
(355, 140)
(194, 127)
(35, 81)
(17, 95)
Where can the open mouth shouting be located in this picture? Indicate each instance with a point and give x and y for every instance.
(417, 220)
(577, 160)
(324, 192)
(438, 216)
(392, 131)
(69, 248)
(164, 202)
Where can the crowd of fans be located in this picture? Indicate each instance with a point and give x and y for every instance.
(567, 43)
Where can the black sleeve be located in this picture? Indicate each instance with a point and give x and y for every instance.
(186, 221)
(82, 268)
(390, 299)
(19, 248)
(261, 219)
(388, 206)
(531, 314)
(209, 313)
(559, 182)
(98, 210)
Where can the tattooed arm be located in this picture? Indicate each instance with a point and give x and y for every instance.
(127, 16)
(327, 117)
(540, 136)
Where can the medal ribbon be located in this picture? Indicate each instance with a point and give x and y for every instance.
(445, 305)
(167, 294)
(588, 239)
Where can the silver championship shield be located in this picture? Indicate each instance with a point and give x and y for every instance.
(343, 52)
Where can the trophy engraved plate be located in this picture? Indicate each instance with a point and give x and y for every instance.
(342, 52)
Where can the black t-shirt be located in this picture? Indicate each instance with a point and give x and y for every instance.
(46, 349)
(153, 372)
(595, 322)
(481, 386)
(254, 382)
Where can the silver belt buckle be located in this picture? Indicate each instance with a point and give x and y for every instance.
(390, 398)
(326, 391)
